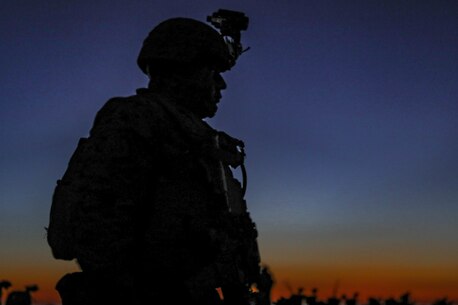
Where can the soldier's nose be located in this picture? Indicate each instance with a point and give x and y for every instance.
(220, 81)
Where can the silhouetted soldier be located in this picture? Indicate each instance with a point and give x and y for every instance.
(148, 205)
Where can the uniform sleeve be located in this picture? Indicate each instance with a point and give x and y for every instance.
(97, 200)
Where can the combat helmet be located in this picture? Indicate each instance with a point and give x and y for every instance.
(184, 41)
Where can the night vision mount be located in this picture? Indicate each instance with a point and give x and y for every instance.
(230, 24)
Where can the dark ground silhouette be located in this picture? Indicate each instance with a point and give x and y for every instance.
(301, 298)
(260, 295)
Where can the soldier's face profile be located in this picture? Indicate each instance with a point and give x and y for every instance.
(209, 85)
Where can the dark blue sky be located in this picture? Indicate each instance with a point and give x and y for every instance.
(349, 111)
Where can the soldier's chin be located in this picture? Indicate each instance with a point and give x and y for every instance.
(210, 111)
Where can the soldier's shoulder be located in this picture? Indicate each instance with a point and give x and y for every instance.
(141, 110)
(140, 104)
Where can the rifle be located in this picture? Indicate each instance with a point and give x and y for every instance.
(243, 251)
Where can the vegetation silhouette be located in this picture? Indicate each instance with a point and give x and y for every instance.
(299, 298)
(259, 295)
(21, 297)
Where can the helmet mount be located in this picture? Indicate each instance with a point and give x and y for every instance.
(230, 24)
(185, 41)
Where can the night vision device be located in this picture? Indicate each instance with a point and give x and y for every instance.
(230, 24)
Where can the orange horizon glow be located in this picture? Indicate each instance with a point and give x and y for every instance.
(381, 285)
(48, 295)
(425, 285)
(381, 293)
(426, 282)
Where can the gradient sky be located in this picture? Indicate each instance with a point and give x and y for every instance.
(349, 112)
